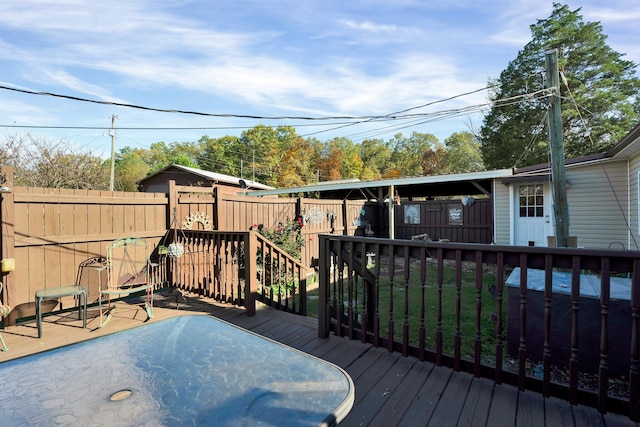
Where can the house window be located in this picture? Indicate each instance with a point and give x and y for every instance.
(531, 201)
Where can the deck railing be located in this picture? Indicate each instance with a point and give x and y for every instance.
(235, 267)
(568, 328)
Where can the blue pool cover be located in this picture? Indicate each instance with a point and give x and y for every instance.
(185, 371)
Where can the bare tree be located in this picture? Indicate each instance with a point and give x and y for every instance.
(40, 162)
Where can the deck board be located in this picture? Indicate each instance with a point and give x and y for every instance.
(427, 399)
(374, 402)
(390, 390)
(401, 399)
(476, 406)
(503, 405)
(529, 413)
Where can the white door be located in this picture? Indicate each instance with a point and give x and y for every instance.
(532, 215)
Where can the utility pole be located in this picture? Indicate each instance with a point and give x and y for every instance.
(556, 146)
(113, 151)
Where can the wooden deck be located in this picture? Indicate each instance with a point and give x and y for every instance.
(391, 390)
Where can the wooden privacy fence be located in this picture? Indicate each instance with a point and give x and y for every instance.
(573, 317)
(49, 233)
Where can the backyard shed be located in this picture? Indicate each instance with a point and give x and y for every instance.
(183, 175)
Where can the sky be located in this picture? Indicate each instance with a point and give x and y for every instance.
(330, 68)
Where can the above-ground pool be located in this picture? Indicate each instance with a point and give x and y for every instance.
(185, 371)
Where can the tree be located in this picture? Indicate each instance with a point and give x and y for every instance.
(600, 96)
(331, 161)
(375, 155)
(221, 155)
(463, 153)
(39, 162)
(298, 164)
(408, 154)
(129, 169)
(265, 147)
(433, 160)
(350, 165)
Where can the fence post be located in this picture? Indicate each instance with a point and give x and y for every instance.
(7, 238)
(251, 278)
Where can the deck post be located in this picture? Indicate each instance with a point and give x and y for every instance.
(251, 279)
(324, 318)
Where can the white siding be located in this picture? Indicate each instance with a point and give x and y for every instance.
(634, 169)
(598, 204)
(502, 214)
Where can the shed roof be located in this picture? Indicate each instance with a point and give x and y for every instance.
(212, 177)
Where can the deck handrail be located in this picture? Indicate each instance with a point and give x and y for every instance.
(351, 288)
(233, 267)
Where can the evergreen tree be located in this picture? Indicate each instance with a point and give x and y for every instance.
(599, 93)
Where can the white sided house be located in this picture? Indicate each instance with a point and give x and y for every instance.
(602, 196)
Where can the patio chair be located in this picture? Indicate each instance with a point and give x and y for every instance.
(128, 272)
(91, 273)
(4, 310)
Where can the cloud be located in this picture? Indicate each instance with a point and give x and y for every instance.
(347, 58)
(369, 26)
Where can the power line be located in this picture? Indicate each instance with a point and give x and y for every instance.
(153, 128)
(399, 115)
(225, 115)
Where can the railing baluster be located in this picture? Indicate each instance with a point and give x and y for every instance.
(376, 300)
(500, 321)
(340, 294)
(423, 285)
(366, 294)
(228, 262)
(324, 279)
(546, 351)
(440, 279)
(350, 275)
(198, 270)
(336, 262)
(392, 267)
(209, 265)
(457, 336)
(522, 347)
(575, 305)
(405, 322)
(603, 368)
(478, 340)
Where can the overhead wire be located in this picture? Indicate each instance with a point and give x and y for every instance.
(224, 115)
(604, 169)
(529, 147)
(400, 114)
(402, 118)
